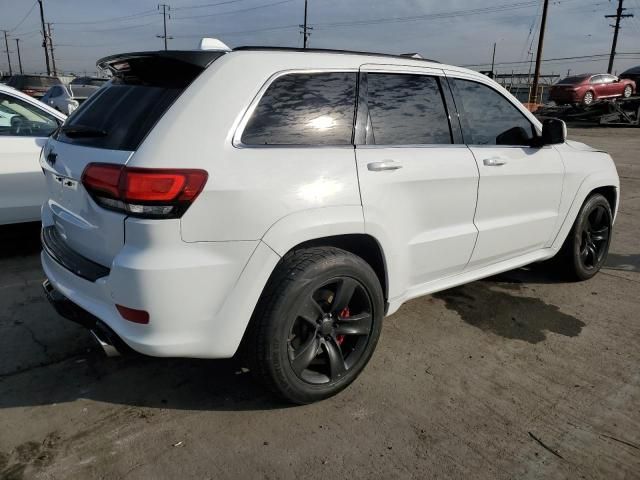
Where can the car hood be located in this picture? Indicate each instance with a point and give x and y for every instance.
(583, 147)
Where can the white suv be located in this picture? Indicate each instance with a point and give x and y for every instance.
(285, 201)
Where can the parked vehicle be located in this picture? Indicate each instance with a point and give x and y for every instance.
(25, 124)
(89, 81)
(280, 202)
(632, 74)
(66, 98)
(33, 85)
(588, 88)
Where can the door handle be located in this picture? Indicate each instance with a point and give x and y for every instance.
(384, 165)
(494, 161)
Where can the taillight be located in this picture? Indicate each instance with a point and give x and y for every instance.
(143, 192)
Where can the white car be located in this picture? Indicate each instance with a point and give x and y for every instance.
(66, 98)
(281, 202)
(25, 124)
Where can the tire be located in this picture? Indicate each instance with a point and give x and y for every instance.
(588, 98)
(628, 91)
(586, 247)
(291, 324)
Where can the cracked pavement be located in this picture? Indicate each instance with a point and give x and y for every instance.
(516, 376)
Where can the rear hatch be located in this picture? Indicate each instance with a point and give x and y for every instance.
(108, 128)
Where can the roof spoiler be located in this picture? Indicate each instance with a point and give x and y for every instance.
(169, 68)
(124, 62)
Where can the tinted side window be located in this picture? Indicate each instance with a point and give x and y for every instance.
(406, 110)
(304, 109)
(489, 118)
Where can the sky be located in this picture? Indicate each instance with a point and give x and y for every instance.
(459, 32)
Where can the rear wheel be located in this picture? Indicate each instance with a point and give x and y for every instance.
(588, 98)
(627, 91)
(585, 249)
(316, 325)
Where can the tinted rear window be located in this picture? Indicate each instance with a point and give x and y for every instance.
(573, 80)
(126, 113)
(305, 109)
(119, 115)
(407, 110)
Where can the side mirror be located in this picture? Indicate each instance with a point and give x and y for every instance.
(554, 131)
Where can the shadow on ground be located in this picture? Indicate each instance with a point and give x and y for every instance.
(488, 305)
(183, 384)
(19, 240)
(624, 262)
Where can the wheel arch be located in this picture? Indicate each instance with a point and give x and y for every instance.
(362, 245)
(610, 192)
(600, 182)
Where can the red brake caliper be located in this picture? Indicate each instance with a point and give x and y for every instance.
(343, 314)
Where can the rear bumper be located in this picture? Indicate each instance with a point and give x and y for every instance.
(111, 344)
(185, 287)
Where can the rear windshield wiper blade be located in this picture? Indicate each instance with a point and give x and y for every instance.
(82, 131)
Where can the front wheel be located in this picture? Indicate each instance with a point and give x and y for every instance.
(316, 325)
(627, 91)
(585, 249)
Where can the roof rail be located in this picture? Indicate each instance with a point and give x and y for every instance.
(326, 50)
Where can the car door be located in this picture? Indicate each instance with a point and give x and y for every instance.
(22, 136)
(598, 86)
(418, 182)
(520, 185)
(612, 86)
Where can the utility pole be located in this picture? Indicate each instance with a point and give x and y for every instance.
(165, 9)
(536, 75)
(44, 38)
(305, 28)
(616, 28)
(19, 59)
(53, 59)
(493, 59)
(6, 43)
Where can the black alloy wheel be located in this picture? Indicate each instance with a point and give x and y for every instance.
(595, 237)
(331, 331)
(585, 249)
(316, 325)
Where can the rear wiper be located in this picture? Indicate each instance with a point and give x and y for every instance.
(82, 131)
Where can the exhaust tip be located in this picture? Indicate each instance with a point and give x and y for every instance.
(107, 347)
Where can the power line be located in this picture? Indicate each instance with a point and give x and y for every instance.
(145, 13)
(165, 9)
(6, 43)
(25, 17)
(233, 11)
(305, 28)
(207, 5)
(19, 58)
(616, 28)
(240, 32)
(44, 38)
(53, 59)
(536, 75)
(593, 57)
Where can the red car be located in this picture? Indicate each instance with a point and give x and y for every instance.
(588, 88)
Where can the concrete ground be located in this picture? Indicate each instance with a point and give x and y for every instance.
(517, 376)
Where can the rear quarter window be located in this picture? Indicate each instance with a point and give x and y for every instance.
(304, 109)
